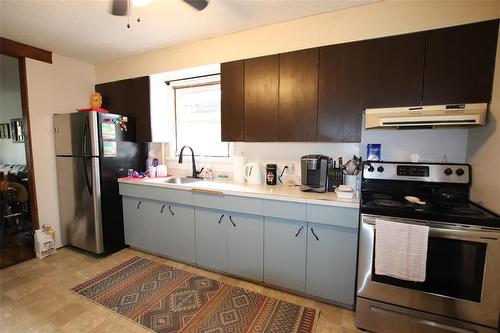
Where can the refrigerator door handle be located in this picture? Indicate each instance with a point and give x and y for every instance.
(86, 128)
(96, 199)
(85, 175)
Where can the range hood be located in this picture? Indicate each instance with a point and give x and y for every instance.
(451, 115)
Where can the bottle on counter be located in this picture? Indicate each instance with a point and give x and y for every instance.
(271, 174)
(209, 174)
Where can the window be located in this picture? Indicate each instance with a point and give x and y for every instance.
(197, 119)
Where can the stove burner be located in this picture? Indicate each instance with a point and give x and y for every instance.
(386, 203)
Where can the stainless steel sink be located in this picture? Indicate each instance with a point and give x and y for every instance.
(181, 180)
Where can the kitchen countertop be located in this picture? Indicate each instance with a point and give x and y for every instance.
(277, 192)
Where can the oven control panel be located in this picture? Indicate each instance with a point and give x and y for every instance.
(439, 173)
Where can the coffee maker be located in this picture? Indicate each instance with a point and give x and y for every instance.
(314, 173)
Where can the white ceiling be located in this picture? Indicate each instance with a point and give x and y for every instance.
(83, 29)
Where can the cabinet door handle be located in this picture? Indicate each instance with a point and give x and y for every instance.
(139, 204)
(162, 208)
(220, 220)
(315, 236)
(231, 219)
(299, 231)
(170, 209)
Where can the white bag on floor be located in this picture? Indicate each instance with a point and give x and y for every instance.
(45, 241)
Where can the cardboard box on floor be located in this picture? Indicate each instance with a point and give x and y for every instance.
(45, 241)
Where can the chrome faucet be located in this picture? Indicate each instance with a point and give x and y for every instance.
(195, 172)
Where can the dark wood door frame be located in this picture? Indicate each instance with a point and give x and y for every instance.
(21, 52)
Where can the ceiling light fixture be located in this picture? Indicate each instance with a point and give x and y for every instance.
(124, 7)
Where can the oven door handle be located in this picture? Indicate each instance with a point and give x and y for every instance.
(483, 236)
(422, 321)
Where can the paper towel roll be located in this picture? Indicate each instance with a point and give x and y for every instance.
(238, 165)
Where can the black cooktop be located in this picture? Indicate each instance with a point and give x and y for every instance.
(396, 205)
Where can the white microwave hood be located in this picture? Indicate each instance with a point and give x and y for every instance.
(451, 115)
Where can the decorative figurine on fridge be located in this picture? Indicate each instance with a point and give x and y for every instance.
(95, 104)
(120, 121)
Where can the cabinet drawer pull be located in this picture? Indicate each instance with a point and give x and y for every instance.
(170, 209)
(162, 208)
(220, 220)
(231, 219)
(315, 236)
(139, 204)
(299, 231)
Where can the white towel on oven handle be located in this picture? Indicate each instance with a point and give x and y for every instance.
(401, 250)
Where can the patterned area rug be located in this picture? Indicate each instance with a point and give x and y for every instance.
(167, 299)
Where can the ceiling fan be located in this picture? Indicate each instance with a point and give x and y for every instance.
(121, 7)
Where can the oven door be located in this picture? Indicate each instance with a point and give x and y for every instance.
(462, 275)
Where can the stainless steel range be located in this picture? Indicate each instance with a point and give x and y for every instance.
(461, 291)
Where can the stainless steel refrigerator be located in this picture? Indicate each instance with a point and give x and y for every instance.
(92, 151)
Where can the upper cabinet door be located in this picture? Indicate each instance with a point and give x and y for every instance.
(129, 97)
(141, 108)
(342, 76)
(232, 126)
(261, 98)
(298, 96)
(459, 63)
(395, 70)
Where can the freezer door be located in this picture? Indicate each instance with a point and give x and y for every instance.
(76, 134)
(80, 202)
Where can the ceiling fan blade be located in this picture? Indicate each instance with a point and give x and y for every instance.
(119, 7)
(197, 4)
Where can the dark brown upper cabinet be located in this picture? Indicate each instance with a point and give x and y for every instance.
(321, 94)
(341, 97)
(232, 90)
(459, 63)
(395, 70)
(129, 98)
(261, 82)
(298, 91)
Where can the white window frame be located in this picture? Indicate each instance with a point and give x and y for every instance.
(174, 152)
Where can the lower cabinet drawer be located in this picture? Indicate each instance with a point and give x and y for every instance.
(284, 209)
(156, 193)
(332, 215)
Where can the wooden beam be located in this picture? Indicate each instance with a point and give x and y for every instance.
(19, 50)
(28, 143)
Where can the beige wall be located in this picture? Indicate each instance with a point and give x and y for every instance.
(60, 87)
(483, 152)
(369, 21)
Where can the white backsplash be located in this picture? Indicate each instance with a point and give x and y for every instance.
(397, 145)
(431, 144)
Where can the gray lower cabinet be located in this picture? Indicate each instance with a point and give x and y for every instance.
(211, 240)
(245, 246)
(143, 226)
(181, 232)
(285, 253)
(331, 262)
(310, 249)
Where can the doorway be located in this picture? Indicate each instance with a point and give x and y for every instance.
(18, 218)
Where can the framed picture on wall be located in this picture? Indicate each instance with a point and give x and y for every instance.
(5, 131)
(17, 130)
